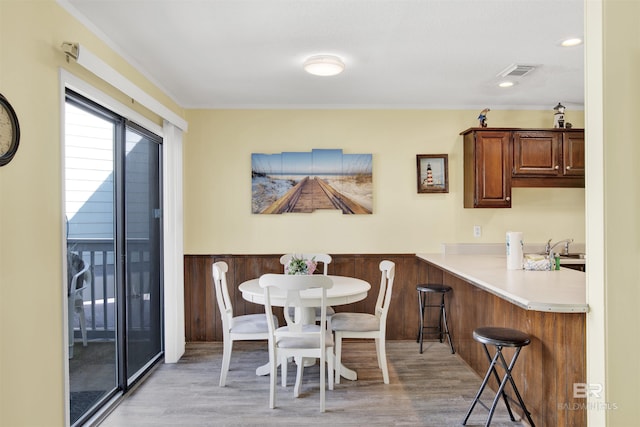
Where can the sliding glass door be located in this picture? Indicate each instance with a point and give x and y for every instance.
(143, 240)
(114, 246)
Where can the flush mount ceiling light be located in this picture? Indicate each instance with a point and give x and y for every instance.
(571, 42)
(506, 83)
(323, 65)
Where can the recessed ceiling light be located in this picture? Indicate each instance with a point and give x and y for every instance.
(323, 65)
(571, 42)
(506, 84)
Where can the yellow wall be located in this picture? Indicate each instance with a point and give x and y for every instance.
(31, 286)
(217, 160)
(217, 155)
(622, 209)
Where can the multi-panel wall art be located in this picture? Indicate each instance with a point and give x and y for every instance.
(306, 181)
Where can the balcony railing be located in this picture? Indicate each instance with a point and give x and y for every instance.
(100, 295)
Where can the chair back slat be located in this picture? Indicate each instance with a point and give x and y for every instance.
(388, 270)
(219, 270)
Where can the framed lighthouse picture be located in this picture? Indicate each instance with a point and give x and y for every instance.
(433, 174)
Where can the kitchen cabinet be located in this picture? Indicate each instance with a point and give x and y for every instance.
(487, 168)
(573, 153)
(497, 159)
(548, 158)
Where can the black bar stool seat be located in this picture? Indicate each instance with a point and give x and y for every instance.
(442, 328)
(500, 338)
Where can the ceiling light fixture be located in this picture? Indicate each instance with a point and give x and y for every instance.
(571, 42)
(506, 84)
(323, 65)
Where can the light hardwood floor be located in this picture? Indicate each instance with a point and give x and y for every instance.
(430, 389)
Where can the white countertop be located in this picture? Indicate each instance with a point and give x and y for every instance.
(561, 291)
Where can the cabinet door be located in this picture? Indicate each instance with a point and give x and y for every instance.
(573, 153)
(537, 153)
(489, 154)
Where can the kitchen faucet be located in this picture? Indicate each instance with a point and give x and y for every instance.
(549, 247)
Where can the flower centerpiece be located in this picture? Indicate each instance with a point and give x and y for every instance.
(300, 265)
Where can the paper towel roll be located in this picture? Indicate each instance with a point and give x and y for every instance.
(514, 250)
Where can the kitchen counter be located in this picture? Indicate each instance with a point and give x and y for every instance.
(561, 291)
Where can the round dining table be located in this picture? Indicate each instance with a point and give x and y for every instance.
(345, 290)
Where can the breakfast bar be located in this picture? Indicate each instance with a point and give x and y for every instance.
(550, 306)
(561, 291)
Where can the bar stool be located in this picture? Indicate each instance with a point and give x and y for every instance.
(424, 291)
(500, 337)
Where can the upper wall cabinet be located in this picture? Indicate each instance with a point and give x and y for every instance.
(487, 168)
(497, 159)
(548, 158)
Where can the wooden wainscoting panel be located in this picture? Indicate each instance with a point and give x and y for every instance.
(202, 318)
(196, 272)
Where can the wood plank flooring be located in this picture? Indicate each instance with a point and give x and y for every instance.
(430, 389)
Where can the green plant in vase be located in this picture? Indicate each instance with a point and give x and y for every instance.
(301, 266)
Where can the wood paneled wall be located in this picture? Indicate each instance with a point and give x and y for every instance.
(202, 318)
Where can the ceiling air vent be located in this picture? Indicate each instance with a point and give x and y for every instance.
(515, 70)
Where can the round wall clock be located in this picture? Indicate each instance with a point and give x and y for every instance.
(9, 131)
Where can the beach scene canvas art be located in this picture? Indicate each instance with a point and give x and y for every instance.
(306, 181)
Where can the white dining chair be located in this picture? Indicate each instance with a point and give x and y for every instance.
(365, 325)
(239, 328)
(298, 340)
(325, 259)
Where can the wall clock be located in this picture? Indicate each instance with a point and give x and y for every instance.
(9, 131)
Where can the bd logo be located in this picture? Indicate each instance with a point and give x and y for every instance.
(583, 390)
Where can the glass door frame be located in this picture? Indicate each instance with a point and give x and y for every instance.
(124, 380)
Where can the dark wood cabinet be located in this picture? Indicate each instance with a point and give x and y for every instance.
(556, 156)
(573, 154)
(497, 159)
(487, 169)
(536, 153)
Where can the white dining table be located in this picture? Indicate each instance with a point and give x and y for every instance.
(345, 290)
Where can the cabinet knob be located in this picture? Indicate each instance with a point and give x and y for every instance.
(557, 167)
(568, 167)
(508, 198)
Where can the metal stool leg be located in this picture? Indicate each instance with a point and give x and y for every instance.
(481, 389)
(440, 317)
(446, 326)
(501, 392)
(442, 328)
(419, 311)
(421, 304)
(509, 377)
(501, 389)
